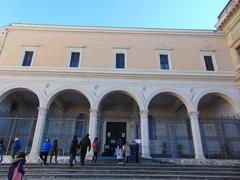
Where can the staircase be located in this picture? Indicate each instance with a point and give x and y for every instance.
(111, 170)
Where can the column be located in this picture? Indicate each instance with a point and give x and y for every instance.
(197, 142)
(145, 134)
(93, 124)
(92, 130)
(38, 134)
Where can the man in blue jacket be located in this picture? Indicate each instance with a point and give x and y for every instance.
(45, 148)
(16, 147)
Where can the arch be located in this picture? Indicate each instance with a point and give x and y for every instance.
(125, 91)
(5, 92)
(188, 104)
(225, 95)
(61, 90)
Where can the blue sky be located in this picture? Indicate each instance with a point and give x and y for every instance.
(180, 14)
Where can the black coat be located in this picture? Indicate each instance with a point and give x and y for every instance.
(84, 144)
(14, 165)
(73, 147)
(55, 147)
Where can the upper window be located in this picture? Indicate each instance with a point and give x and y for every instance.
(209, 63)
(74, 62)
(120, 58)
(164, 59)
(238, 50)
(28, 55)
(74, 57)
(27, 59)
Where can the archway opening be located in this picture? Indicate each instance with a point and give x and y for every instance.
(68, 115)
(169, 128)
(119, 121)
(18, 117)
(220, 128)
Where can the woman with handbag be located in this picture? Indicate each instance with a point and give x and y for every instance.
(16, 170)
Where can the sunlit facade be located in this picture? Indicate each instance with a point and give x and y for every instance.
(173, 91)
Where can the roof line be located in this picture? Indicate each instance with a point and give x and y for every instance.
(107, 28)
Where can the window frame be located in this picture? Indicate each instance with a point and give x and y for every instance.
(169, 55)
(212, 54)
(120, 51)
(24, 50)
(77, 50)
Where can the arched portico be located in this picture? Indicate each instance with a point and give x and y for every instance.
(67, 115)
(18, 116)
(119, 120)
(169, 125)
(220, 127)
(64, 109)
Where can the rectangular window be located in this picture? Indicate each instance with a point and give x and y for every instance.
(209, 63)
(164, 64)
(238, 50)
(74, 61)
(120, 60)
(27, 60)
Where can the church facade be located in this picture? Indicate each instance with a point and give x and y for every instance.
(172, 91)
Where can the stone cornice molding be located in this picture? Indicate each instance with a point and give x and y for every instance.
(227, 13)
(126, 30)
(114, 74)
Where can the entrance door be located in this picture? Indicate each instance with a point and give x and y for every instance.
(115, 136)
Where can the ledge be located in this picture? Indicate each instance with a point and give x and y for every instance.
(113, 73)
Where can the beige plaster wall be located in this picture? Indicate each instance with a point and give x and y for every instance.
(52, 49)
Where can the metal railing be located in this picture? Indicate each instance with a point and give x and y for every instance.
(220, 137)
(22, 127)
(170, 137)
(63, 130)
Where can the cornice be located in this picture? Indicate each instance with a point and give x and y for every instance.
(227, 12)
(119, 74)
(125, 30)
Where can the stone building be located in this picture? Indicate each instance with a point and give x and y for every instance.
(174, 91)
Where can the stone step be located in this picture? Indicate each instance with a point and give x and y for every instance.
(127, 171)
(132, 176)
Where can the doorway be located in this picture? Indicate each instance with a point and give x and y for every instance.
(115, 136)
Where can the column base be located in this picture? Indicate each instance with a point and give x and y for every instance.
(146, 156)
(33, 158)
(200, 157)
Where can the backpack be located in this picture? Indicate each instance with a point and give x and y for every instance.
(94, 146)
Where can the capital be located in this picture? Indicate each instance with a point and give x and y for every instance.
(93, 110)
(42, 110)
(144, 112)
(193, 114)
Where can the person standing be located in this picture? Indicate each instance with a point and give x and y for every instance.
(127, 149)
(84, 144)
(16, 170)
(96, 148)
(2, 149)
(73, 150)
(137, 153)
(54, 151)
(119, 153)
(16, 147)
(46, 146)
